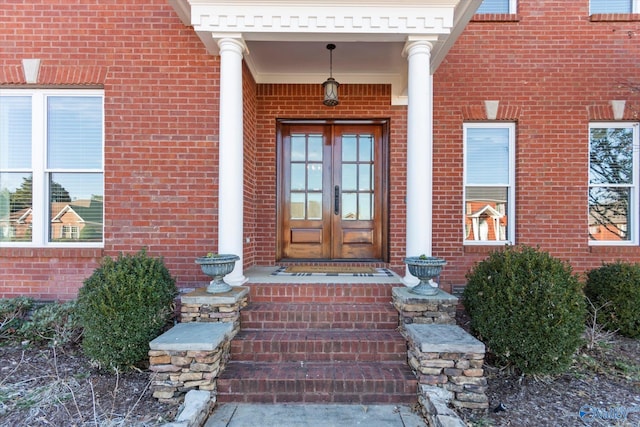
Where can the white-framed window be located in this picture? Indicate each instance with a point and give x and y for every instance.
(498, 6)
(52, 167)
(489, 183)
(614, 6)
(613, 183)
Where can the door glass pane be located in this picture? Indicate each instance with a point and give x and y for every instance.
(75, 205)
(349, 206)
(365, 208)
(314, 206)
(349, 177)
(364, 177)
(349, 148)
(74, 129)
(315, 148)
(297, 207)
(366, 148)
(15, 207)
(15, 132)
(314, 172)
(298, 148)
(298, 177)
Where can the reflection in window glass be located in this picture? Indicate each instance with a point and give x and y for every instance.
(15, 207)
(76, 203)
(610, 6)
(365, 207)
(298, 148)
(349, 206)
(364, 177)
(349, 177)
(613, 182)
(366, 148)
(298, 177)
(489, 188)
(494, 6)
(297, 207)
(15, 132)
(74, 126)
(51, 181)
(349, 148)
(314, 171)
(314, 206)
(315, 148)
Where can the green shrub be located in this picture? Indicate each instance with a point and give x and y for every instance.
(13, 313)
(53, 323)
(124, 305)
(527, 307)
(616, 287)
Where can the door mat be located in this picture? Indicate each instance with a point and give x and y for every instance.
(319, 270)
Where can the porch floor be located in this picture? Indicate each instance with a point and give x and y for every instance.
(262, 274)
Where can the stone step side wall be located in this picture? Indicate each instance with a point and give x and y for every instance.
(425, 309)
(446, 356)
(189, 356)
(200, 306)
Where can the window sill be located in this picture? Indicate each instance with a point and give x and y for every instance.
(614, 249)
(614, 17)
(495, 17)
(483, 248)
(24, 252)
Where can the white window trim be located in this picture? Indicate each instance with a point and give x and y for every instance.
(511, 189)
(635, 188)
(40, 222)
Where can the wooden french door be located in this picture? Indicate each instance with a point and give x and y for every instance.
(332, 191)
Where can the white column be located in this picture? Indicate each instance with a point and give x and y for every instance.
(419, 151)
(231, 156)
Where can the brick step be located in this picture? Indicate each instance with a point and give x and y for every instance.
(314, 345)
(357, 293)
(267, 315)
(336, 382)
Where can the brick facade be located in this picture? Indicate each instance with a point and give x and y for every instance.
(552, 67)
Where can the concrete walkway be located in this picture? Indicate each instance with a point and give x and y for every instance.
(313, 415)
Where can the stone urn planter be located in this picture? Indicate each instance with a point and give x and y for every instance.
(217, 266)
(425, 268)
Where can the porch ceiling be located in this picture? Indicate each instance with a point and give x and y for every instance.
(286, 40)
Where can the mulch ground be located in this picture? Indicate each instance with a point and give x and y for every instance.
(47, 387)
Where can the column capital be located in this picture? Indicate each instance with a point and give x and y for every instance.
(231, 42)
(418, 44)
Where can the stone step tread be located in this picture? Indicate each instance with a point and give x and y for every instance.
(387, 382)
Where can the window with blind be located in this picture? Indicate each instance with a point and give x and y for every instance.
(613, 6)
(497, 6)
(51, 167)
(613, 183)
(489, 183)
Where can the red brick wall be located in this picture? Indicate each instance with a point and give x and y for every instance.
(161, 127)
(550, 67)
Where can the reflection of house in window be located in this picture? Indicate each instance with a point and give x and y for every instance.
(77, 220)
(16, 227)
(608, 222)
(486, 217)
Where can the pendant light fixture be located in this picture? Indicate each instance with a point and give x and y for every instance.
(330, 85)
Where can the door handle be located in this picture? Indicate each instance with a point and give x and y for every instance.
(336, 200)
